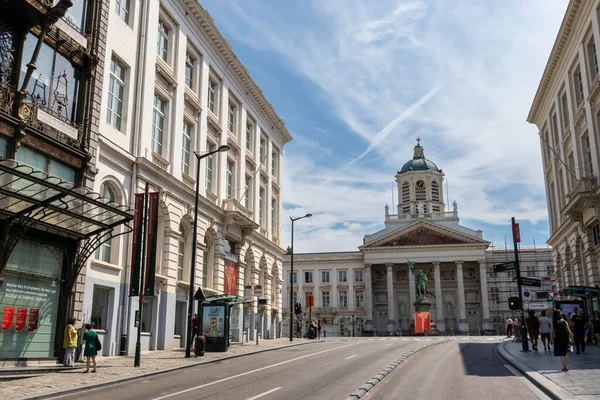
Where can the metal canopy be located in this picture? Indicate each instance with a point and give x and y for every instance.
(54, 205)
(226, 299)
(580, 291)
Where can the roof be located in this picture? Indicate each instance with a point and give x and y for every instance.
(419, 162)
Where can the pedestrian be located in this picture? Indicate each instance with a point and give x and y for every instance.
(324, 333)
(70, 343)
(508, 325)
(579, 322)
(90, 351)
(194, 327)
(570, 318)
(596, 327)
(319, 329)
(545, 324)
(561, 338)
(533, 326)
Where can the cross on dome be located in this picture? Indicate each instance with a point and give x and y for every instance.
(418, 141)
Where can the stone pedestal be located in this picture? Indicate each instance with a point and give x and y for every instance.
(422, 306)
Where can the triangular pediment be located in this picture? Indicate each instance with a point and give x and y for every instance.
(425, 234)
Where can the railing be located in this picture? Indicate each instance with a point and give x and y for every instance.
(7, 98)
(338, 309)
(434, 215)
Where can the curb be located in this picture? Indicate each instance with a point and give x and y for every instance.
(364, 389)
(98, 385)
(549, 388)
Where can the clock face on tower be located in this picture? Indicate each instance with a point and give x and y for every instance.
(420, 185)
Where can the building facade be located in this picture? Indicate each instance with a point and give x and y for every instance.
(51, 67)
(173, 86)
(372, 290)
(566, 110)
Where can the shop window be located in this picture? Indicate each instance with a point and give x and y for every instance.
(100, 307)
(44, 163)
(55, 82)
(147, 312)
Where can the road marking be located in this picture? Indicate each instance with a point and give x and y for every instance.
(347, 358)
(389, 344)
(249, 372)
(264, 394)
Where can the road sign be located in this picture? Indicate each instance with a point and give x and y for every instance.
(551, 294)
(257, 290)
(526, 294)
(507, 266)
(530, 282)
(546, 283)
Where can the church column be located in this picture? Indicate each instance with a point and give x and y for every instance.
(392, 325)
(439, 311)
(462, 310)
(485, 303)
(412, 295)
(368, 298)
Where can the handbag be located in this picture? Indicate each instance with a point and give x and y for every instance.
(570, 348)
(97, 343)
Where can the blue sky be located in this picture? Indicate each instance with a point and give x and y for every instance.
(356, 82)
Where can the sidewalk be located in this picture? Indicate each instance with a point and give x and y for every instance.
(581, 382)
(114, 369)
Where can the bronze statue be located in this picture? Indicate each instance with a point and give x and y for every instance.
(420, 281)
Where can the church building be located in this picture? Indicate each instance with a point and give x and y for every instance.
(371, 291)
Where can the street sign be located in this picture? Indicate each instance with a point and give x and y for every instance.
(257, 290)
(516, 233)
(530, 282)
(551, 294)
(507, 266)
(526, 294)
(546, 283)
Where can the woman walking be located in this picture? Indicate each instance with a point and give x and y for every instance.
(560, 337)
(596, 327)
(70, 343)
(90, 351)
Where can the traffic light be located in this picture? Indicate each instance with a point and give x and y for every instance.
(298, 309)
(514, 303)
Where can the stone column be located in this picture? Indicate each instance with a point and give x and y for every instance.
(392, 324)
(462, 309)
(368, 298)
(439, 304)
(412, 295)
(485, 302)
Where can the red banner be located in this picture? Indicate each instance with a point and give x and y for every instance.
(151, 244)
(7, 317)
(231, 272)
(136, 253)
(21, 318)
(516, 233)
(422, 322)
(34, 316)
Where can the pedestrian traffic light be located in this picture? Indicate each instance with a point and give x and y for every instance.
(298, 309)
(514, 303)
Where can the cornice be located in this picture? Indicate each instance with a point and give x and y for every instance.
(224, 48)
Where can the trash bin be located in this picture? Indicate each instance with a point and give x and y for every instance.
(200, 345)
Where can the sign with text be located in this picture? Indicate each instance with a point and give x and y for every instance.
(516, 233)
(258, 290)
(507, 266)
(422, 322)
(530, 282)
(247, 291)
(546, 283)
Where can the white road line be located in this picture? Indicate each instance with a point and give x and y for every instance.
(347, 358)
(264, 394)
(390, 344)
(383, 339)
(404, 339)
(249, 372)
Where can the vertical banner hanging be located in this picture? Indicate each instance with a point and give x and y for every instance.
(231, 274)
(152, 244)
(422, 322)
(21, 318)
(136, 253)
(7, 317)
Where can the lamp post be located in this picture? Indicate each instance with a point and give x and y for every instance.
(188, 345)
(292, 277)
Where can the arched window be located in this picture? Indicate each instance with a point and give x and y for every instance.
(104, 252)
(435, 192)
(181, 253)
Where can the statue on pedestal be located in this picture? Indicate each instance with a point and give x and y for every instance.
(420, 208)
(420, 282)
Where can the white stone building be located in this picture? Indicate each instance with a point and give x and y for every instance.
(173, 85)
(373, 286)
(566, 110)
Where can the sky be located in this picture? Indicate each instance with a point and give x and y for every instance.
(357, 81)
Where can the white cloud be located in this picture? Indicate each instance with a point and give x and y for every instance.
(372, 61)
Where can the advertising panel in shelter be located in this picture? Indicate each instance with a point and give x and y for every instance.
(213, 321)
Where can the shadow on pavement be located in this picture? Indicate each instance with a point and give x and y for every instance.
(480, 359)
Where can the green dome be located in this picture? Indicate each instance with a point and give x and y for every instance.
(419, 162)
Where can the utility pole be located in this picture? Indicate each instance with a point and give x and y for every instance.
(516, 239)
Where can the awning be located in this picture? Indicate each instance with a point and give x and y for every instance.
(51, 204)
(227, 299)
(580, 291)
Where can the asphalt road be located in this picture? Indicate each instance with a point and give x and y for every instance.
(461, 369)
(330, 369)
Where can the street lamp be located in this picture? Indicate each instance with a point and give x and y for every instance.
(188, 345)
(292, 276)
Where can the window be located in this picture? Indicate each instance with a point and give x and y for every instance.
(343, 276)
(555, 131)
(579, 83)
(325, 276)
(274, 217)
(100, 307)
(229, 179)
(186, 148)
(104, 251)
(294, 277)
(359, 298)
(231, 114)
(162, 42)
(587, 149)
(275, 163)
(530, 271)
(209, 167)
(596, 232)
(76, 13)
(358, 275)
(249, 136)
(44, 163)
(204, 268)
(261, 206)
(263, 148)
(565, 109)
(116, 89)
(189, 71)
(158, 125)
(308, 278)
(147, 311)
(247, 191)
(325, 300)
(122, 9)
(212, 96)
(593, 58)
(343, 303)
(181, 253)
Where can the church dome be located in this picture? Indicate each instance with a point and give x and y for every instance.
(419, 162)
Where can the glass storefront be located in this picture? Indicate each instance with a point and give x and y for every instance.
(29, 301)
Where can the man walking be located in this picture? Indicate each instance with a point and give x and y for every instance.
(579, 323)
(545, 324)
(533, 326)
(508, 323)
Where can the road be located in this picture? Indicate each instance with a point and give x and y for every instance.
(329, 369)
(467, 368)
